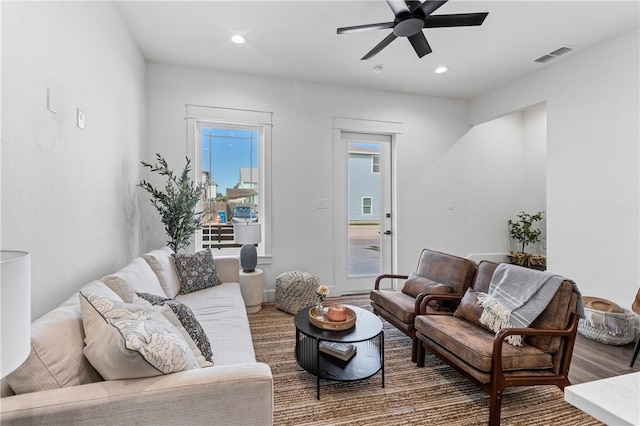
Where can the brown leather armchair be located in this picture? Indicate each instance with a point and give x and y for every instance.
(437, 273)
(486, 359)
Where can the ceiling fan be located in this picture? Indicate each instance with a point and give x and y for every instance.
(411, 18)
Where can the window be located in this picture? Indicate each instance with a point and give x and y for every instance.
(231, 148)
(366, 205)
(375, 164)
(230, 170)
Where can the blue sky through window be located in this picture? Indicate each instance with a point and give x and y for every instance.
(225, 151)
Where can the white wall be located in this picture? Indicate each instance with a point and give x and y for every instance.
(593, 187)
(438, 158)
(68, 195)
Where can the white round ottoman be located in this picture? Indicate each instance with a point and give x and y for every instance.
(295, 290)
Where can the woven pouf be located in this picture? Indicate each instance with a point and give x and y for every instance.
(295, 290)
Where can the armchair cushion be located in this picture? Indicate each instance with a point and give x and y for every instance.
(554, 317)
(475, 345)
(447, 269)
(470, 309)
(416, 284)
(399, 304)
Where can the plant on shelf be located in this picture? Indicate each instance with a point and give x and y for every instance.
(525, 231)
(176, 203)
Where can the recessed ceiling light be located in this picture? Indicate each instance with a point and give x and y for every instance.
(377, 69)
(238, 39)
(441, 69)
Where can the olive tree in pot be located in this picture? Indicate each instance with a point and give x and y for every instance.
(526, 232)
(176, 203)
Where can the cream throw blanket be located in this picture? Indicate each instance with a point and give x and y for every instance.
(516, 297)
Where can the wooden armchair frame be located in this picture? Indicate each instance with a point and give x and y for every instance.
(499, 379)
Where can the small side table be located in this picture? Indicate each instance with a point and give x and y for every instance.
(251, 288)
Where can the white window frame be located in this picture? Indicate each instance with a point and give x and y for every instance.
(198, 116)
(375, 164)
(370, 205)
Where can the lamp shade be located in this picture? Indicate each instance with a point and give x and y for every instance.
(15, 302)
(247, 233)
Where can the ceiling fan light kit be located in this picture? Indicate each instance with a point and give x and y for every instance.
(410, 18)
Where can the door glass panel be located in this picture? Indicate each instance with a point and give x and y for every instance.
(364, 212)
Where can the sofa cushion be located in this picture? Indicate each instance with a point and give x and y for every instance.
(161, 262)
(196, 271)
(186, 318)
(56, 359)
(222, 314)
(136, 276)
(475, 345)
(126, 341)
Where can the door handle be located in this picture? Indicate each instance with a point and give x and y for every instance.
(387, 232)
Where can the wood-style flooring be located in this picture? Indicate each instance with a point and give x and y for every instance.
(593, 360)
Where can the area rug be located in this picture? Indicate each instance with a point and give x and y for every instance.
(433, 395)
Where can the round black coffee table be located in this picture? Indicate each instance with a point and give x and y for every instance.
(366, 335)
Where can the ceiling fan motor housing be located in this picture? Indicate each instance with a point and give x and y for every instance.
(408, 27)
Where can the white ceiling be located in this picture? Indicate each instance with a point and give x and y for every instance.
(298, 40)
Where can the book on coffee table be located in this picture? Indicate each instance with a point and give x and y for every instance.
(343, 351)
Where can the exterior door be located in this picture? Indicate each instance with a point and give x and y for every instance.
(363, 217)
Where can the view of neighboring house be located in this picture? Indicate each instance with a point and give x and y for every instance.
(364, 183)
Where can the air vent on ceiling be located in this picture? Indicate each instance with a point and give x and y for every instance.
(554, 54)
(544, 58)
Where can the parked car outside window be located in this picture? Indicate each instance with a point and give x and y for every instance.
(244, 214)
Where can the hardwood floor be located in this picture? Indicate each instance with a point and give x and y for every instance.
(593, 360)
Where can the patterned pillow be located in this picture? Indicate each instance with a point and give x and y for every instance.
(196, 271)
(125, 341)
(187, 319)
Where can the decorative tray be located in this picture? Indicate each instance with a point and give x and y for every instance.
(324, 323)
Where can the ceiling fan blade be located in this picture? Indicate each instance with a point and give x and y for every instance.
(399, 7)
(428, 7)
(420, 44)
(455, 20)
(413, 4)
(384, 43)
(366, 27)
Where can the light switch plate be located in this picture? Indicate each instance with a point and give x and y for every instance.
(80, 119)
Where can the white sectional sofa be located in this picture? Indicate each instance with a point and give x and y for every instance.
(58, 385)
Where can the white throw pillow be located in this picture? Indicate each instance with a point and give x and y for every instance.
(161, 262)
(126, 341)
(137, 276)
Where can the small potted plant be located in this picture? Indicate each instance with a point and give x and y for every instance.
(525, 231)
(176, 204)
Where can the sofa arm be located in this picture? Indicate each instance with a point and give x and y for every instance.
(234, 394)
(228, 269)
(376, 285)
